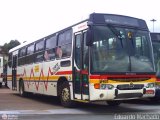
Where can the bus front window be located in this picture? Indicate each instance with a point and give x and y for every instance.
(113, 51)
(156, 51)
(141, 60)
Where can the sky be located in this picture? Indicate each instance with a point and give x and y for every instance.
(30, 20)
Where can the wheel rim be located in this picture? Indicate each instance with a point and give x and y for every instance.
(65, 94)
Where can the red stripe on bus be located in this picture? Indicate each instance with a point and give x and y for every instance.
(64, 72)
(117, 76)
(158, 79)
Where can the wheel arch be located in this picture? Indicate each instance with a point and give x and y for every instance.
(61, 80)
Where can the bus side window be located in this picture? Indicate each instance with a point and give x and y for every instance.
(59, 52)
(50, 52)
(64, 44)
(30, 54)
(39, 55)
(21, 56)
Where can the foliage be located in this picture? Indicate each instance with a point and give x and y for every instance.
(7, 46)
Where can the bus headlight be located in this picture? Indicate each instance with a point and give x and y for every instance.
(107, 86)
(150, 85)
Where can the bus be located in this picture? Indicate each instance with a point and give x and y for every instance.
(106, 57)
(155, 37)
(1, 71)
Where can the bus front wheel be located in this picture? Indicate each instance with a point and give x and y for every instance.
(65, 95)
(113, 103)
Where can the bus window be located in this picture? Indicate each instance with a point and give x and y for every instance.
(10, 60)
(21, 56)
(66, 50)
(65, 43)
(65, 38)
(39, 51)
(30, 55)
(85, 54)
(22, 52)
(30, 49)
(50, 48)
(77, 50)
(39, 46)
(51, 42)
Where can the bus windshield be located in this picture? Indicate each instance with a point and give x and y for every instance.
(119, 49)
(156, 51)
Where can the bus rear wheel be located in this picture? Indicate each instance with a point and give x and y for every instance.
(113, 103)
(65, 96)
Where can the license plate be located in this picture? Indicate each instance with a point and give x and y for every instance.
(149, 91)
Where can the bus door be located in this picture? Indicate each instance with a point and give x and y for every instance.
(14, 73)
(80, 68)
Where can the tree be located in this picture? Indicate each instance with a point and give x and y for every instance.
(7, 46)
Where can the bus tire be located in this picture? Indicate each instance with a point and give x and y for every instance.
(65, 96)
(113, 103)
(21, 89)
(0, 85)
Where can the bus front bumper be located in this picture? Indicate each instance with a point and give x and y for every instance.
(116, 94)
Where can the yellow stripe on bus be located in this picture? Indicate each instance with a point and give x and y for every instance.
(39, 78)
(113, 81)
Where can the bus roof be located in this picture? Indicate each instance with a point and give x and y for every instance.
(20, 46)
(101, 18)
(27, 43)
(97, 18)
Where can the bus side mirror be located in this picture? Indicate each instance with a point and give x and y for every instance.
(89, 37)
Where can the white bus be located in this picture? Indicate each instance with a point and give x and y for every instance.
(106, 57)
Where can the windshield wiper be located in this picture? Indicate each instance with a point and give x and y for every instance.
(132, 38)
(115, 32)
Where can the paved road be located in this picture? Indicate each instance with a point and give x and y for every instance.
(41, 107)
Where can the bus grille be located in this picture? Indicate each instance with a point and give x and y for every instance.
(134, 79)
(128, 95)
(130, 86)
